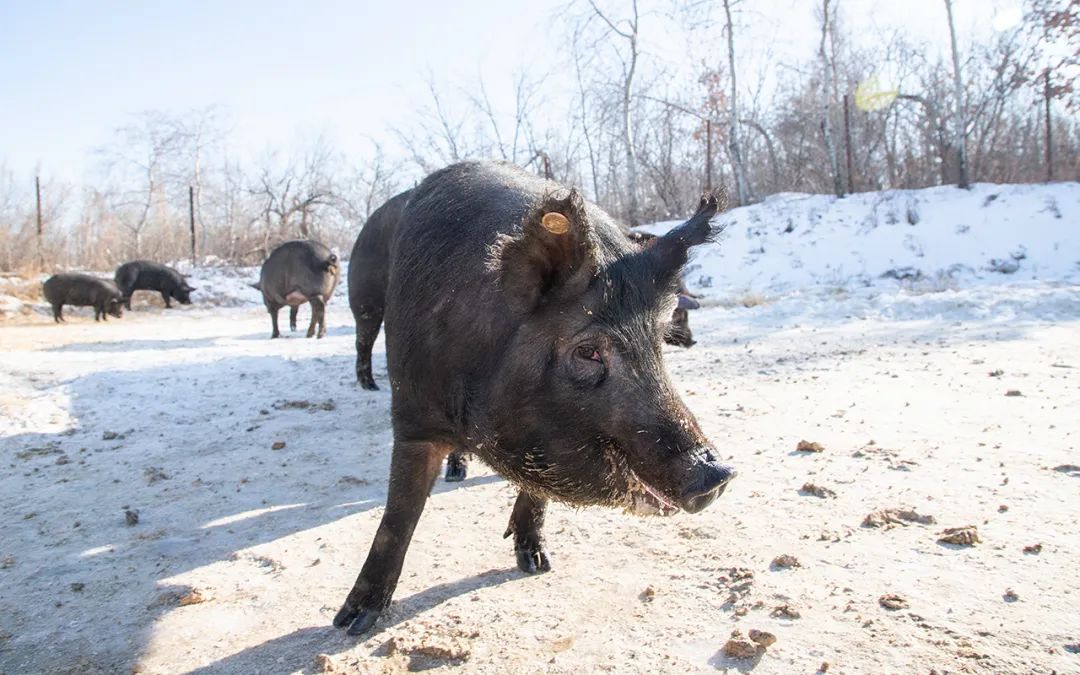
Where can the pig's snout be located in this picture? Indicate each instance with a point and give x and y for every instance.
(709, 481)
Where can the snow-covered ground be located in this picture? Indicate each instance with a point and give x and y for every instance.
(244, 548)
(931, 239)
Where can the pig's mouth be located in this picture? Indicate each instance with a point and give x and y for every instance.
(645, 500)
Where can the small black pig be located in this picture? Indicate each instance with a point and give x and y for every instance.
(144, 275)
(297, 272)
(522, 325)
(83, 290)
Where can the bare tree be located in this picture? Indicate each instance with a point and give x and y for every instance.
(628, 32)
(959, 116)
(826, 120)
(293, 192)
(137, 164)
(742, 188)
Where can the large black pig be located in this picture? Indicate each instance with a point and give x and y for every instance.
(522, 324)
(297, 272)
(144, 275)
(83, 290)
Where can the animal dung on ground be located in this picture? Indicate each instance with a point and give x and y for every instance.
(154, 474)
(192, 597)
(131, 517)
(278, 445)
(739, 647)
(1010, 595)
(960, 536)
(892, 602)
(325, 664)
(761, 637)
(889, 517)
(816, 490)
(1033, 549)
(785, 561)
(1013, 392)
(785, 612)
(809, 446)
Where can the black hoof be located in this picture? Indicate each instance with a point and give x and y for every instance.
(368, 383)
(345, 615)
(531, 561)
(364, 622)
(456, 472)
(358, 620)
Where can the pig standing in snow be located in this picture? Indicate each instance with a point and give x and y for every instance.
(144, 275)
(522, 324)
(83, 290)
(297, 272)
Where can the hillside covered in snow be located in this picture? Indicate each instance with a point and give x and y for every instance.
(915, 241)
(930, 239)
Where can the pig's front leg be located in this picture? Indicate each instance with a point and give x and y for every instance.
(526, 523)
(413, 470)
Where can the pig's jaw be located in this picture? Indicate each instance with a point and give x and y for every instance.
(645, 500)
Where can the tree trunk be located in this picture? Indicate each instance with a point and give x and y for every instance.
(742, 188)
(960, 136)
(634, 215)
(826, 124)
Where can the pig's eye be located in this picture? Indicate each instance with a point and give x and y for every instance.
(589, 353)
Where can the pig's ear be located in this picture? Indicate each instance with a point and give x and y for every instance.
(553, 252)
(669, 252)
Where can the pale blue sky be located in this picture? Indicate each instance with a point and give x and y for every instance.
(71, 71)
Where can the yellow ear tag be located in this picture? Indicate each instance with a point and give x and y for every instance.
(555, 223)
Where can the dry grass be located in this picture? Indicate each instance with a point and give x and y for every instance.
(744, 299)
(26, 289)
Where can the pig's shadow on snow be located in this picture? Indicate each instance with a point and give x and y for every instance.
(295, 652)
(198, 465)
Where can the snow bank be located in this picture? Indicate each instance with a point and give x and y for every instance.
(930, 239)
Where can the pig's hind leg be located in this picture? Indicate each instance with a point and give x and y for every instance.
(273, 309)
(293, 311)
(413, 469)
(526, 524)
(318, 317)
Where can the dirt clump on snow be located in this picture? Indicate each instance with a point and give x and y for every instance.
(785, 561)
(809, 446)
(892, 602)
(817, 491)
(967, 535)
(902, 516)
